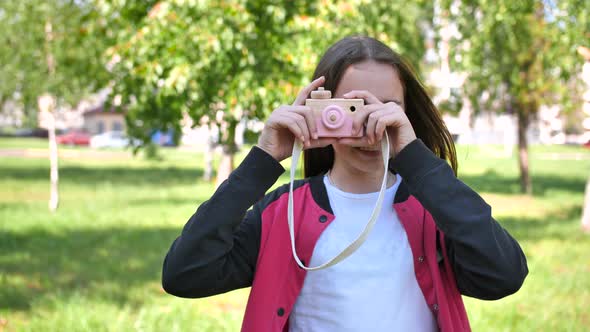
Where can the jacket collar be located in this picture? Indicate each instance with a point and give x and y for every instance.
(402, 194)
(320, 195)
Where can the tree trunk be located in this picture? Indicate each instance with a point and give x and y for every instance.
(226, 166)
(586, 213)
(509, 134)
(46, 105)
(523, 152)
(209, 150)
(54, 166)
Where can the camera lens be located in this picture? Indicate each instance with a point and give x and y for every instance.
(352, 108)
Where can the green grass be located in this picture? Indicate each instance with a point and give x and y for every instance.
(95, 264)
(23, 143)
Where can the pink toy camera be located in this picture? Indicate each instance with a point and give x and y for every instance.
(333, 117)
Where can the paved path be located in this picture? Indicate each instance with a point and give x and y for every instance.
(69, 153)
(65, 153)
(563, 155)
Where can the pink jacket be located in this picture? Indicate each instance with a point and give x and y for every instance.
(458, 247)
(278, 279)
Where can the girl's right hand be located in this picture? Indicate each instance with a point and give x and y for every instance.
(290, 122)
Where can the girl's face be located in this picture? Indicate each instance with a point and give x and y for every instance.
(383, 82)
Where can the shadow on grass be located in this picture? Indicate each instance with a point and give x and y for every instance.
(559, 225)
(493, 182)
(119, 175)
(490, 182)
(174, 201)
(102, 263)
(117, 263)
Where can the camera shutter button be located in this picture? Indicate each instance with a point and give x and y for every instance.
(320, 93)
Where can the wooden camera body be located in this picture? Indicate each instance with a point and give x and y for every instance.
(333, 116)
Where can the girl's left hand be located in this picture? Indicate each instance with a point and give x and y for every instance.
(377, 117)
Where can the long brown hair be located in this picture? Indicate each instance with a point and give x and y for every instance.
(420, 110)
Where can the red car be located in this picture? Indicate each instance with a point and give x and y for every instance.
(74, 138)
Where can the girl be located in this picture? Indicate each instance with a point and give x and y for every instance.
(434, 239)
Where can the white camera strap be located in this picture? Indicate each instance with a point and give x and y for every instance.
(352, 247)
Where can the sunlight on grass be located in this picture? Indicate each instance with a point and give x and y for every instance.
(95, 264)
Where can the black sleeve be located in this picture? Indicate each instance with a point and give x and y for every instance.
(218, 247)
(488, 263)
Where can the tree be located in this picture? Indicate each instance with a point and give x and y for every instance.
(519, 54)
(205, 57)
(51, 49)
(586, 209)
(241, 58)
(585, 53)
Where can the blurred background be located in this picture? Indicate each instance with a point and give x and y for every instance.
(119, 117)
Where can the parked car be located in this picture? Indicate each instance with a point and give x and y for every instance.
(74, 138)
(111, 139)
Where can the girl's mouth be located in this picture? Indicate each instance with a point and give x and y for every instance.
(369, 148)
(369, 152)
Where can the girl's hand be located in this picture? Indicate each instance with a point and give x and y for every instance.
(289, 122)
(378, 117)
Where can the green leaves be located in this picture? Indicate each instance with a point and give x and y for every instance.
(74, 48)
(241, 57)
(166, 58)
(523, 50)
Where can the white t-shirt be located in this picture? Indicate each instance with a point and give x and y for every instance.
(374, 289)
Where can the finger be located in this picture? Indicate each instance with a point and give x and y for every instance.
(322, 142)
(370, 126)
(288, 123)
(393, 115)
(307, 113)
(393, 134)
(304, 93)
(387, 120)
(300, 121)
(360, 116)
(372, 121)
(363, 94)
(298, 108)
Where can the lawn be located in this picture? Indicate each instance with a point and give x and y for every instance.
(95, 264)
